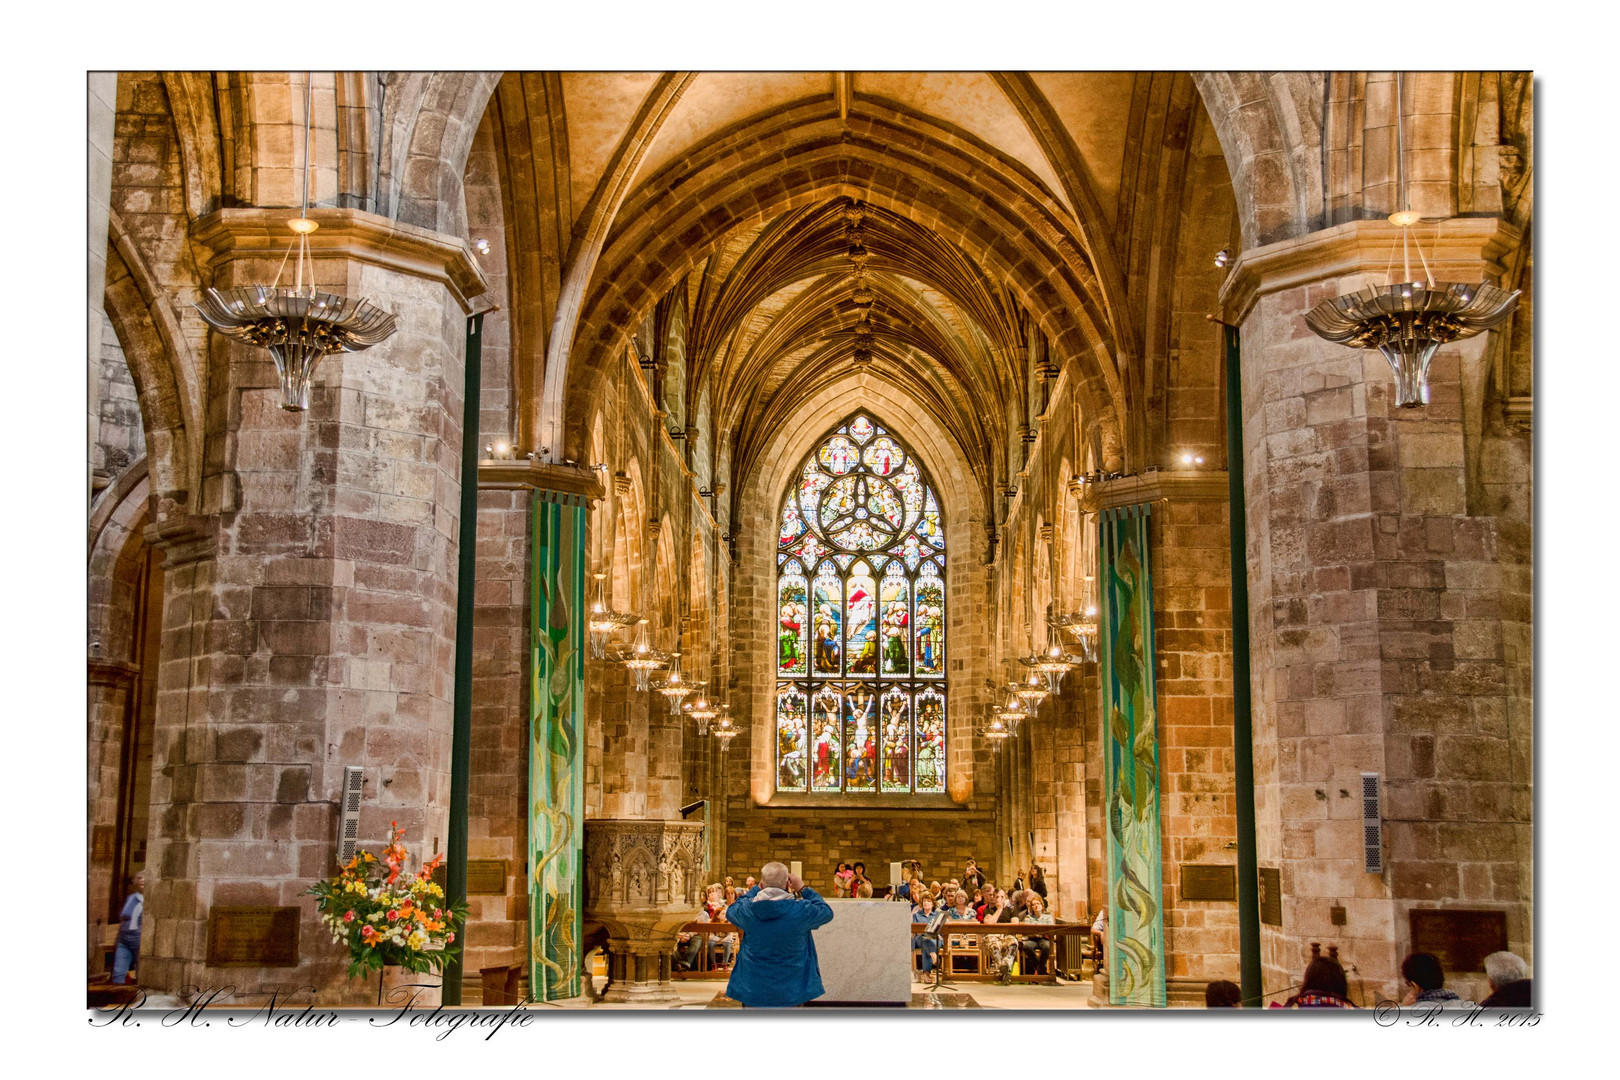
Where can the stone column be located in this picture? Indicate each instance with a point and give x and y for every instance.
(102, 95)
(309, 616)
(1383, 608)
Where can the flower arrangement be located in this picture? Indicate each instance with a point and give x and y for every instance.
(390, 918)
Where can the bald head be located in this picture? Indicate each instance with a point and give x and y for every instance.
(774, 875)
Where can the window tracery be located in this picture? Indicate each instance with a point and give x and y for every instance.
(860, 604)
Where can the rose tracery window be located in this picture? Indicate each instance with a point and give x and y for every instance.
(860, 604)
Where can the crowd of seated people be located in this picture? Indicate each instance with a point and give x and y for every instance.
(974, 898)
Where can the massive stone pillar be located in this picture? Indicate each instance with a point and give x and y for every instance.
(309, 616)
(1389, 615)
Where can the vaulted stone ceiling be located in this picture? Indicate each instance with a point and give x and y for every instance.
(1008, 217)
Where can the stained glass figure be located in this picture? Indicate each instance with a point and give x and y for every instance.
(896, 741)
(827, 623)
(930, 741)
(861, 597)
(884, 456)
(896, 630)
(791, 759)
(792, 649)
(826, 749)
(860, 740)
(861, 628)
(930, 622)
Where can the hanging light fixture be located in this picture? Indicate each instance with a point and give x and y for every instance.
(700, 710)
(1083, 625)
(724, 729)
(643, 659)
(1031, 692)
(299, 325)
(674, 686)
(1012, 710)
(1054, 663)
(603, 621)
(1409, 320)
(996, 730)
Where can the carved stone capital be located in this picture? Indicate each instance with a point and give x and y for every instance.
(344, 233)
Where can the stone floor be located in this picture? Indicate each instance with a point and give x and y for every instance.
(704, 994)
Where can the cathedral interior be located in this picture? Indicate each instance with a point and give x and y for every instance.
(890, 409)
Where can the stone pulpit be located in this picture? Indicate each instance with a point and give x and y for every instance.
(643, 882)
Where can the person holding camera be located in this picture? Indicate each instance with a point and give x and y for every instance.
(777, 965)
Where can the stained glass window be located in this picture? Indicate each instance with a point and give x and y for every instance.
(860, 603)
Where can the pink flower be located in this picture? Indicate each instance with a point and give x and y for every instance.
(451, 936)
(392, 915)
(437, 913)
(348, 916)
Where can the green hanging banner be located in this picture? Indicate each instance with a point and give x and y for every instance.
(1131, 753)
(556, 762)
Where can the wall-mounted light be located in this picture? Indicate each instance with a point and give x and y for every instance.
(481, 246)
(1190, 459)
(1222, 257)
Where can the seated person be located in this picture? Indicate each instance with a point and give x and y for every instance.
(1000, 949)
(926, 944)
(686, 952)
(960, 912)
(722, 947)
(1223, 994)
(1037, 950)
(1509, 977)
(1099, 937)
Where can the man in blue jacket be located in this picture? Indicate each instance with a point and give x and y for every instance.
(777, 966)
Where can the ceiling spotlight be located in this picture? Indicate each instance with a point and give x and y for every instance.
(1222, 257)
(1186, 459)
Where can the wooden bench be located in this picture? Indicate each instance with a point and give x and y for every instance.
(962, 951)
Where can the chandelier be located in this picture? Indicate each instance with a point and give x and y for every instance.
(603, 621)
(1083, 624)
(701, 711)
(642, 658)
(1409, 320)
(674, 686)
(1031, 692)
(1054, 663)
(724, 729)
(996, 730)
(298, 325)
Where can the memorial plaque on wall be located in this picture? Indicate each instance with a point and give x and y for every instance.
(1271, 896)
(252, 937)
(1461, 940)
(102, 840)
(485, 877)
(1215, 882)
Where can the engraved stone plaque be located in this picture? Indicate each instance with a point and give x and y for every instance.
(1460, 939)
(1213, 882)
(1271, 896)
(253, 937)
(101, 843)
